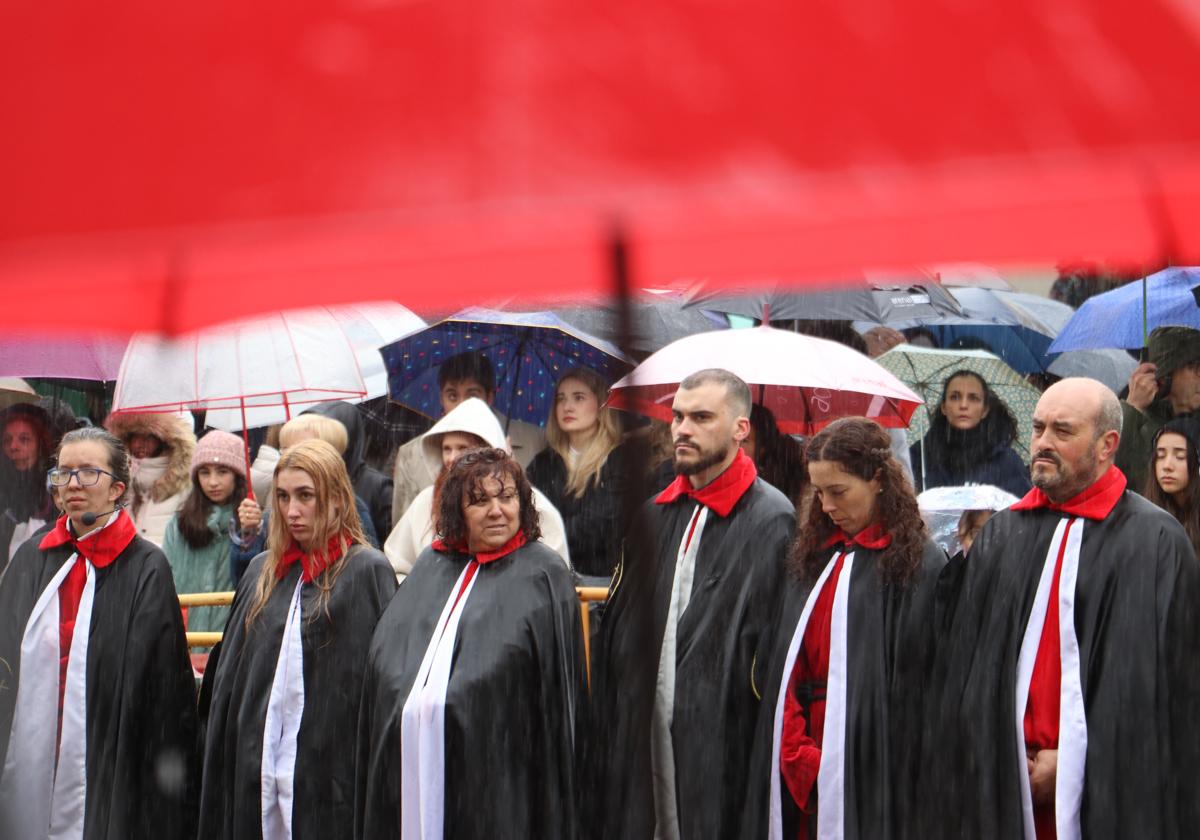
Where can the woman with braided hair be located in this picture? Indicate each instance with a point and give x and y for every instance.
(853, 642)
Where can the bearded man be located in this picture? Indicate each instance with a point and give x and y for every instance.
(690, 607)
(1070, 678)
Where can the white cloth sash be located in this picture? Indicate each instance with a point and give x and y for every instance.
(285, 709)
(36, 801)
(1072, 719)
(832, 772)
(422, 725)
(662, 749)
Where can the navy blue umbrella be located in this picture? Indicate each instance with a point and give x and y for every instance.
(1125, 316)
(529, 351)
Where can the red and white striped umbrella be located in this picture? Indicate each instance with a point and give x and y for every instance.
(806, 382)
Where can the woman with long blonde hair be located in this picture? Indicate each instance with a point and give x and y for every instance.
(285, 679)
(585, 470)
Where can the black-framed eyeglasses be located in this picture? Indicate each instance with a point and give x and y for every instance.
(86, 476)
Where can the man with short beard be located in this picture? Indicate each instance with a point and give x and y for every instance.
(1070, 686)
(689, 610)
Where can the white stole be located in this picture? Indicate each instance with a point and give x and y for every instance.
(831, 804)
(422, 724)
(1072, 719)
(662, 750)
(38, 801)
(285, 709)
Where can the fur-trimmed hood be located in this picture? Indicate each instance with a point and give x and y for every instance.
(175, 431)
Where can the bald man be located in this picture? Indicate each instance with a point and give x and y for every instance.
(1070, 692)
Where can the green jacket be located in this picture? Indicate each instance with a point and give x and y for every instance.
(1137, 438)
(202, 569)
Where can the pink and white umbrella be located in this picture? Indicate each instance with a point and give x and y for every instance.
(806, 382)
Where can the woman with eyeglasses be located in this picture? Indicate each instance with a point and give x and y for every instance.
(475, 679)
(25, 504)
(97, 699)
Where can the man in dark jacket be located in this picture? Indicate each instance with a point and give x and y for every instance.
(370, 485)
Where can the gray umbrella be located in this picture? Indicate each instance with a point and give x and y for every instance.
(657, 321)
(1112, 367)
(878, 300)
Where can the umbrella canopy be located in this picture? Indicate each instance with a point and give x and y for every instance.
(171, 167)
(806, 382)
(271, 362)
(942, 507)
(1112, 367)
(658, 319)
(528, 351)
(880, 301)
(14, 390)
(96, 358)
(925, 370)
(1126, 315)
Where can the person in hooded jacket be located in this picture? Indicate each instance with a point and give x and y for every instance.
(585, 470)
(27, 449)
(370, 485)
(472, 425)
(160, 447)
(969, 441)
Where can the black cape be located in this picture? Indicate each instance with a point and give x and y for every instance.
(335, 653)
(891, 643)
(739, 577)
(141, 696)
(513, 703)
(1137, 618)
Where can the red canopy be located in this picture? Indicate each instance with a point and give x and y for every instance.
(167, 166)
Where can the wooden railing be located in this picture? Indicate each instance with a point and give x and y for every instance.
(587, 595)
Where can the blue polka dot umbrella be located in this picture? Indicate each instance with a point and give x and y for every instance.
(529, 352)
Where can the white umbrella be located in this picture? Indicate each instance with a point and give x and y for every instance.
(259, 369)
(942, 507)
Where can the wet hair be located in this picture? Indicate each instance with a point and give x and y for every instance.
(737, 392)
(192, 519)
(319, 426)
(331, 484)
(118, 455)
(465, 478)
(586, 471)
(471, 365)
(1187, 511)
(863, 449)
(779, 458)
(998, 427)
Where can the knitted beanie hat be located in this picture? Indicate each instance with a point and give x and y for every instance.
(222, 449)
(1173, 347)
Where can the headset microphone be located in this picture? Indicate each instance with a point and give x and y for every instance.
(90, 518)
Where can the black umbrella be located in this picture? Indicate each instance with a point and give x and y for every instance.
(880, 301)
(657, 321)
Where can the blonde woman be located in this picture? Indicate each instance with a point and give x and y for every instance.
(286, 679)
(584, 471)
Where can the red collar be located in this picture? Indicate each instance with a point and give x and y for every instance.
(102, 546)
(509, 547)
(1095, 502)
(874, 537)
(720, 494)
(312, 566)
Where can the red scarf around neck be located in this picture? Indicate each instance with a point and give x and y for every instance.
(1095, 502)
(720, 494)
(101, 546)
(509, 547)
(311, 566)
(874, 537)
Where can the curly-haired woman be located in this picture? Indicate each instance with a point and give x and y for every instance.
(468, 721)
(839, 734)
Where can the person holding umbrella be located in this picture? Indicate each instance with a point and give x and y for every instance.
(285, 681)
(839, 736)
(970, 440)
(1175, 482)
(1167, 386)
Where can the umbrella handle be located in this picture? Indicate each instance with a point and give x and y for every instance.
(246, 448)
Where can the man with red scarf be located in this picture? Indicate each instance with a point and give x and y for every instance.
(97, 699)
(1070, 684)
(689, 610)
